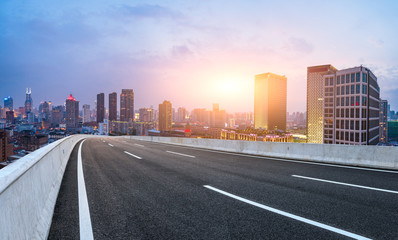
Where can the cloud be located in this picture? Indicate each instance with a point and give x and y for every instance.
(376, 42)
(150, 11)
(181, 51)
(300, 45)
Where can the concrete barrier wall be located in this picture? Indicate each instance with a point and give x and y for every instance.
(366, 156)
(29, 189)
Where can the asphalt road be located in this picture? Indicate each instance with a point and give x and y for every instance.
(143, 190)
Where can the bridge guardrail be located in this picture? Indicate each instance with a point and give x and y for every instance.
(29, 189)
(384, 157)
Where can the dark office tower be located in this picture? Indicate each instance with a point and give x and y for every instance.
(270, 96)
(72, 113)
(8, 104)
(113, 106)
(127, 105)
(100, 107)
(165, 116)
(28, 101)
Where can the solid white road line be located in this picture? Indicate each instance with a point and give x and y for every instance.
(289, 215)
(132, 155)
(346, 184)
(86, 230)
(110, 144)
(139, 145)
(185, 155)
(280, 159)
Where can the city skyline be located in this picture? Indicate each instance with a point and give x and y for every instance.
(180, 58)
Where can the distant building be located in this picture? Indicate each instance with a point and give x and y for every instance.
(100, 107)
(86, 113)
(393, 131)
(6, 148)
(383, 134)
(315, 87)
(146, 114)
(44, 111)
(351, 107)
(218, 117)
(181, 114)
(33, 142)
(127, 105)
(56, 117)
(113, 106)
(10, 119)
(31, 117)
(9, 104)
(28, 101)
(200, 115)
(165, 116)
(72, 113)
(270, 96)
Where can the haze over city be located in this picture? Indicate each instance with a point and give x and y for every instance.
(191, 53)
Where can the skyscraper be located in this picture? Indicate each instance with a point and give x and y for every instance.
(100, 107)
(28, 101)
(113, 106)
(8, 104)
(72, 113)
(270, 93)
(165, 116)
(86, 113)
(351, 107)
(127, 105)
(315, 87)
(383, 134)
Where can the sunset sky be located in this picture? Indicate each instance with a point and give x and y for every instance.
(193, 53)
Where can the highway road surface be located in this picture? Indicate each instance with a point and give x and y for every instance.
(116, 188)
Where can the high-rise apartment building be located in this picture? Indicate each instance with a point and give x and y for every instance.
(165, 116)
(270, 97)
(72, 113)
(28, 101)
(146, 114)
(113, 106)
(383, 134)
(86, 113)
(100, 107)
(127, 105)
(315, 87)
(351, 107)
(8, 104)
